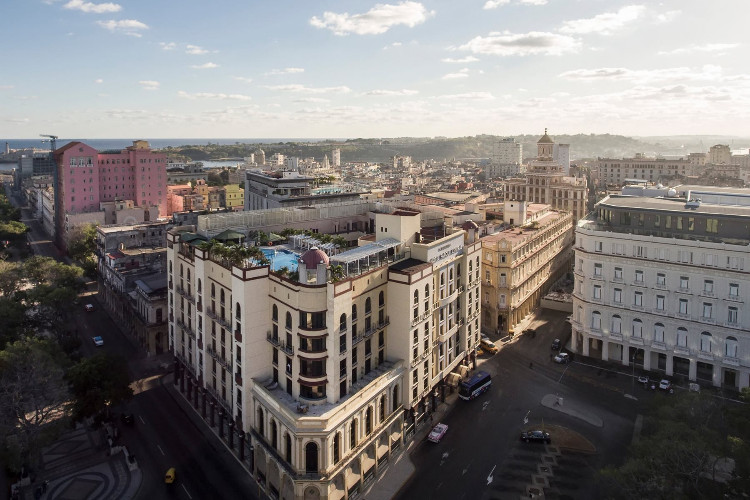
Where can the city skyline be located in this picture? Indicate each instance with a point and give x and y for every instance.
(373, 69)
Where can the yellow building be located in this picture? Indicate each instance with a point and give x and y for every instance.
(234, 197)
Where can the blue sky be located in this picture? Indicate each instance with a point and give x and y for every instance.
(303, 68)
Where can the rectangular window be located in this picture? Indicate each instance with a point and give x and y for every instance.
(487, 276)
(597, 246)
(708, 286)
(640, 251)
(639, 276)
(638, 299)
(732, 316)
(679, 222)
(691, 224)
(657, 220)
(734, 290)
(618, 273)
(661, 279)
(684, 283)
(597, 269)
(617, 295)
(712, 225)
(668, 222)
(660, 302)
(597, 292)
(683, 306)
(707, 310)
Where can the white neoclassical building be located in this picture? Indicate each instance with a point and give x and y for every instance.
(661, 282)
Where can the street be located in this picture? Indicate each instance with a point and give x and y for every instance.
(481, 456)
(164, 435)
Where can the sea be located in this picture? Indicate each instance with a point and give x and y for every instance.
(104, 144)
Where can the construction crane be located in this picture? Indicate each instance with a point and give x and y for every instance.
(52, 140)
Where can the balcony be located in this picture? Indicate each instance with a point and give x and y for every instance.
(186, 328)
(636, 340)
(705, 356)
(659, 345)
(275, 341)
(182, 291)
(222, 361)
(214, 316)
(615, 336)
(731, 361)
(682, 350)
(371, 331)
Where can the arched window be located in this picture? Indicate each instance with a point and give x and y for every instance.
(730, 347)
(213, 290)
(381, 299)
(596, 320)
(238, 312)
(353, 435)
(221, 296)
(381, 408)
(342, 322)
(637, 328)
(337, 448)
(259, 422)
(659, 332)
(288, 320)
(368, 421)
(416, 297)
(354, 312)
(311, 457)
(200, 289)
(616, 324)
(275, 313)
(427, 291)
(395, 399)
(705, 342)
(682, 337)
(368, 305)
(188, 275)
(274, 433)
(288, 448)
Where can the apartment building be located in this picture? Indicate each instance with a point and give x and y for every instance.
(264, 190)
(322, 376)
(521, 263)
(655, 170)
(546, 183)
(660, 282)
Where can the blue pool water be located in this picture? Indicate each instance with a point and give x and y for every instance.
(281, 258)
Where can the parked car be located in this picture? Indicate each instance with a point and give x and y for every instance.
(665, 385)
(536, 437)
(170, 476)
(562, 358)
(98, 341)
(488, 346)
(437, 433)
(642, 379)
(485, 337)
(89, 307)
(556, 345)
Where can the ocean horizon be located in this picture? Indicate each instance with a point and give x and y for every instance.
(104, 144)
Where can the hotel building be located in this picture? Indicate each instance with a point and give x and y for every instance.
(322, 375)
(660, 282)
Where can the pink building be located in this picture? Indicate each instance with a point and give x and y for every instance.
(87, 177)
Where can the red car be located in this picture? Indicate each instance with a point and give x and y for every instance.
(437, 433)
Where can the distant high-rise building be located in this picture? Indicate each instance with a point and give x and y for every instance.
(260, 157)
(719, 154)
(336, 156)
(561, 154)
(507, 152)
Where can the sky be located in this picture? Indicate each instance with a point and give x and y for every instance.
(362, 68)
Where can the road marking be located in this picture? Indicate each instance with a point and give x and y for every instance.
(162, 451)
(465, 471)
(141, 418)
(186, 492)
(484, 405)
(631, 397)
(490, 478)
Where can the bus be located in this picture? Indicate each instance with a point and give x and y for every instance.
(476, 385)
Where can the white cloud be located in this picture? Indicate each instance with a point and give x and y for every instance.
(284, 71)
(208, 65)
(377, 20)
(17, 120)
(708, 72)
(149, 84)
(604, 24)
(692, 49)
(195, 50)
(494, 4)
(243, 79)
(393, 45)
(462, 73)
(522, 44)
(126, 26)
(312, 99)
(95, 8)
(463, 60)
(379, 92)
(667, 17)
(473, 96)
(98, 80)
(168, 45)
(212, 95)
(297, 88)
(534, 2)
(6, 87)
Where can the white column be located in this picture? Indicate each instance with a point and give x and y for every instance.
(605, 350)
(585, 345)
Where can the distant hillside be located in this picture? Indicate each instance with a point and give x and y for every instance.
(440, 148)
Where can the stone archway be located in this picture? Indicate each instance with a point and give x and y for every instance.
(311, 493)
(274, 478)
(287, 488)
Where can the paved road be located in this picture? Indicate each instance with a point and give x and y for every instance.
(164, 434)
(483, 437)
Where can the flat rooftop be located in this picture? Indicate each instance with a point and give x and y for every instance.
(676, 205)
(409, 266)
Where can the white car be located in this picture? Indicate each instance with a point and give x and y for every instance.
(562, 358)
(665, 385)
(89, 307)
(98, 341)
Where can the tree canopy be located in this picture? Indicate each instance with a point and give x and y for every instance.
(97, 383)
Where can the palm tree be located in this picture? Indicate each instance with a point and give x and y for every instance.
(337, 273)
(340, 241)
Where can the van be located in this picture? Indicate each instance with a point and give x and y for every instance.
(488, 346)
(170, 476)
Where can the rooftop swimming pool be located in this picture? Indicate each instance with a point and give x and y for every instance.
(281, 258)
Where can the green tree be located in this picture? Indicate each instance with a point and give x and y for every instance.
(82, 243)
(214, 179)
(97, 383)
(33, 397)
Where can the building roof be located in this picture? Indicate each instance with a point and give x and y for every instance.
(366, 250)
(410, 266)
(673, 205)
(545, 139)
(312, 258)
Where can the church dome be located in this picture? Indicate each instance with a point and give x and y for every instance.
(313, 257)
(468, 225)
(545, 139)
